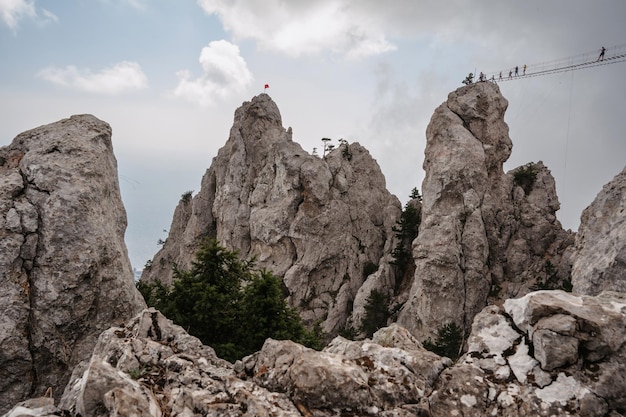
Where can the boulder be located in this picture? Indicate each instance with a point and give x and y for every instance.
(384, 375)
(600, 259)
(65, 275)
(501, 374)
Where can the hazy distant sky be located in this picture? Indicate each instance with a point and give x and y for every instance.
(168, 76)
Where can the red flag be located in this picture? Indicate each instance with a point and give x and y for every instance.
(267, 86)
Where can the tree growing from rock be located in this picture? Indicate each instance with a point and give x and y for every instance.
(227, 304)
(376, 313)
(406, 230)
(448, 343)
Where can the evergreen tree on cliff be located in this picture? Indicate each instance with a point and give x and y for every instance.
(227, 304)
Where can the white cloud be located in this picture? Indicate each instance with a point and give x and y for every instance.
(120, 78)
(225, 73)
(136, 4)
(48, 16)
(298, 28)
(14, 10)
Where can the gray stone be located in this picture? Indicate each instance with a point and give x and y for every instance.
(558, 323)
(554, 350)
(316, 222)
(592, 406)
(65, 275)
(480, 385)
(362, 376)
(152, 367)
(483, 238)
(600, 260)
(396, 336)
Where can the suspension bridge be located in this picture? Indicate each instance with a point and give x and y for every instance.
(590, 59)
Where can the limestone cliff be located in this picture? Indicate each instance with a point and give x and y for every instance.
(484, 233)
(321, 223)
(600, 259)
(65, 275)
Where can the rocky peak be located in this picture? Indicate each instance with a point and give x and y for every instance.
(257, 115)
(482, 111)
(65, 275)
(483, 236)
(319, 223)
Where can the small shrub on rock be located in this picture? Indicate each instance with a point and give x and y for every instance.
(186, 196)
(525, 176)
(448, 343)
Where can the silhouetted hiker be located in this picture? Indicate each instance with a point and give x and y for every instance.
(524, 71)
(516, 71)
(481, 77)
(510, 74)
(500, 78)
(601, 57)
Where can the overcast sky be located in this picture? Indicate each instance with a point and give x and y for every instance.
(168, 76)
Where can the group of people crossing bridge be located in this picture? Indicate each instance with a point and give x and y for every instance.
(603, 56)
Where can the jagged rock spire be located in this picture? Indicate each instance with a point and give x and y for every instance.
(65, 275)
(481, 235)
(319, 223)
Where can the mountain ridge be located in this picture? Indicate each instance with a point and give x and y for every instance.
(488, 248)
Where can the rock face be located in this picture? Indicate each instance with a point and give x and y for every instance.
(65, 275)
(600, 260)
(484, 233)
(322, 224)
(548, 353)
(390, 375)
(152, 367)
(325, 224)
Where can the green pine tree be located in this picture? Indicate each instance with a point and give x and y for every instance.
(228, 305)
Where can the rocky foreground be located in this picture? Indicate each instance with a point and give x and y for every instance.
(76, 338)
(549, 353)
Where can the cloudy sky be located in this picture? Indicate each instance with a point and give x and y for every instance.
(168, 76)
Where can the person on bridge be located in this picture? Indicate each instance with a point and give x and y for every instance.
(602, 51)
(524, 71)
(510, 74)
(516, 71)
